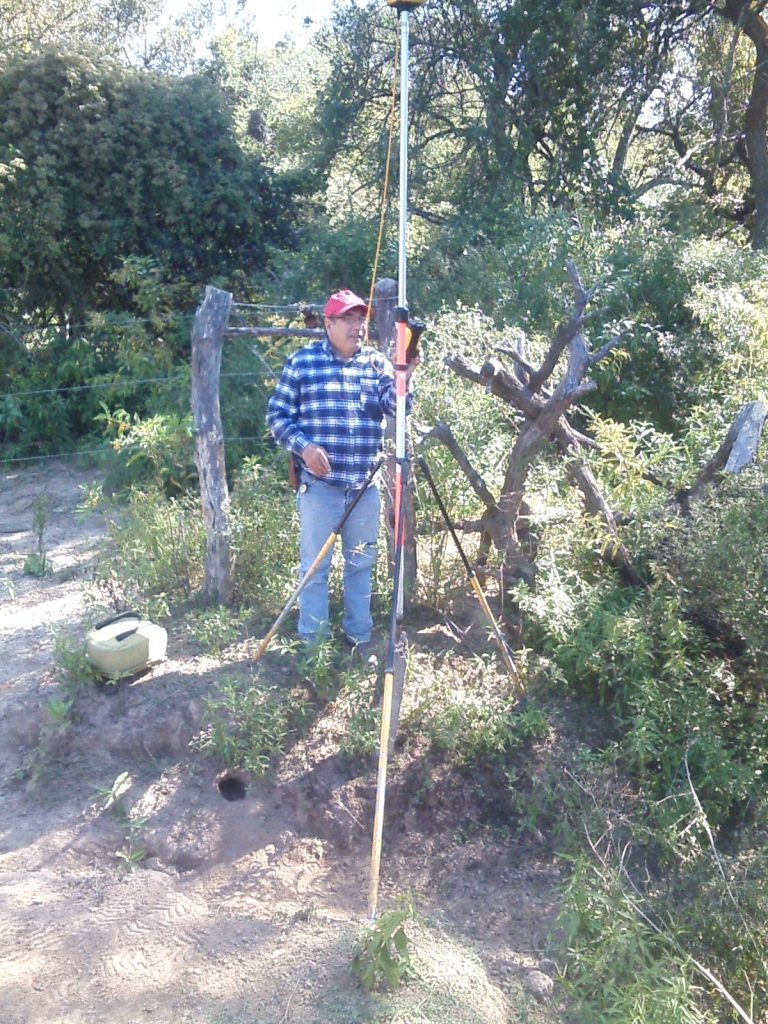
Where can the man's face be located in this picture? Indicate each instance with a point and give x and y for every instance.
(344, 332)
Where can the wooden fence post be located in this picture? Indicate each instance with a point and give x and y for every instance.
(384, 305)
(211, 321)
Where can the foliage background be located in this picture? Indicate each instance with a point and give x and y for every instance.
(137, 166)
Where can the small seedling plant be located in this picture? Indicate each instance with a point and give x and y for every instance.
(383, 954)
(110, 798)
(38, 563)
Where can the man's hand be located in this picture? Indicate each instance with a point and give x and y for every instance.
(316, 460)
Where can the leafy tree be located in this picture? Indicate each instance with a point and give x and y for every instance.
(710, 114)
(137, 32)
(559, 103)
(273, 97)
(99, 162)
(518, 103)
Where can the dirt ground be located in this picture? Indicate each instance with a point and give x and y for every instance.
(183, 907)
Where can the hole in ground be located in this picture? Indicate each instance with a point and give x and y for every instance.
(232, 788)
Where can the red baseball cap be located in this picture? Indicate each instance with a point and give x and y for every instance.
(344, 301)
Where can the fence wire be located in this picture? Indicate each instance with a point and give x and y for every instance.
(261, 379)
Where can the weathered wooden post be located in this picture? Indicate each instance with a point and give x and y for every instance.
(738, 450)
(211, 321)
(384, 305)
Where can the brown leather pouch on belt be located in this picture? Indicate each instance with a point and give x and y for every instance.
(294, 471)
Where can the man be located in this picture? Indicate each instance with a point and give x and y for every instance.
(328, 409)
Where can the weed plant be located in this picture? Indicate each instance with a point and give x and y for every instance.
(382, 957)
(717, 563)
(248, 722)
(51, 740)
(73, 669)
(264, 531)
(474, 719)
(38, 563)
(319, 668)
(111, 798)
(159, 544)
(150, 450)
(357, 703)
(213, 628)
(726, 925)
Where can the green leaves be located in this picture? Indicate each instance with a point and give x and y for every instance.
(247, 724)
(101, 162)
(383, 954)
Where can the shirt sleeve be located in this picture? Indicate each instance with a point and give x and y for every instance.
(283, 412)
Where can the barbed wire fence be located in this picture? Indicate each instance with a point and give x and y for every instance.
(257, 334)
(256, 341)
(262, 377)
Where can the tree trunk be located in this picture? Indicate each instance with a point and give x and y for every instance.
(752, 22)
(544, 410)
(738, 450)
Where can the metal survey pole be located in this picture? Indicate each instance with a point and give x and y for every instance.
(401, 313)
(403, 8)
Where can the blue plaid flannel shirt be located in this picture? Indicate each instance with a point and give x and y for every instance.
(339, 405)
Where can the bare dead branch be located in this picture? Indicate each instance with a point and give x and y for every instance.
(609, 346)
(522, 366)
(443, 434)
(494, 377)
(563, 336)
(545, 422)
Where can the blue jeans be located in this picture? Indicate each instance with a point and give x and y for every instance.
(321, 507)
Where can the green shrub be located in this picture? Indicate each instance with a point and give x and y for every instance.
(247, 724)
(213, 628)
(153, 451)
(157, 555)
(100, 160)
(264, 535)
(675, 699)
(721, 906)
(474, 719)
(719, 567)
(619, 969)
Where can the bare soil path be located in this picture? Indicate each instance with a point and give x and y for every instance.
(182, 907)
